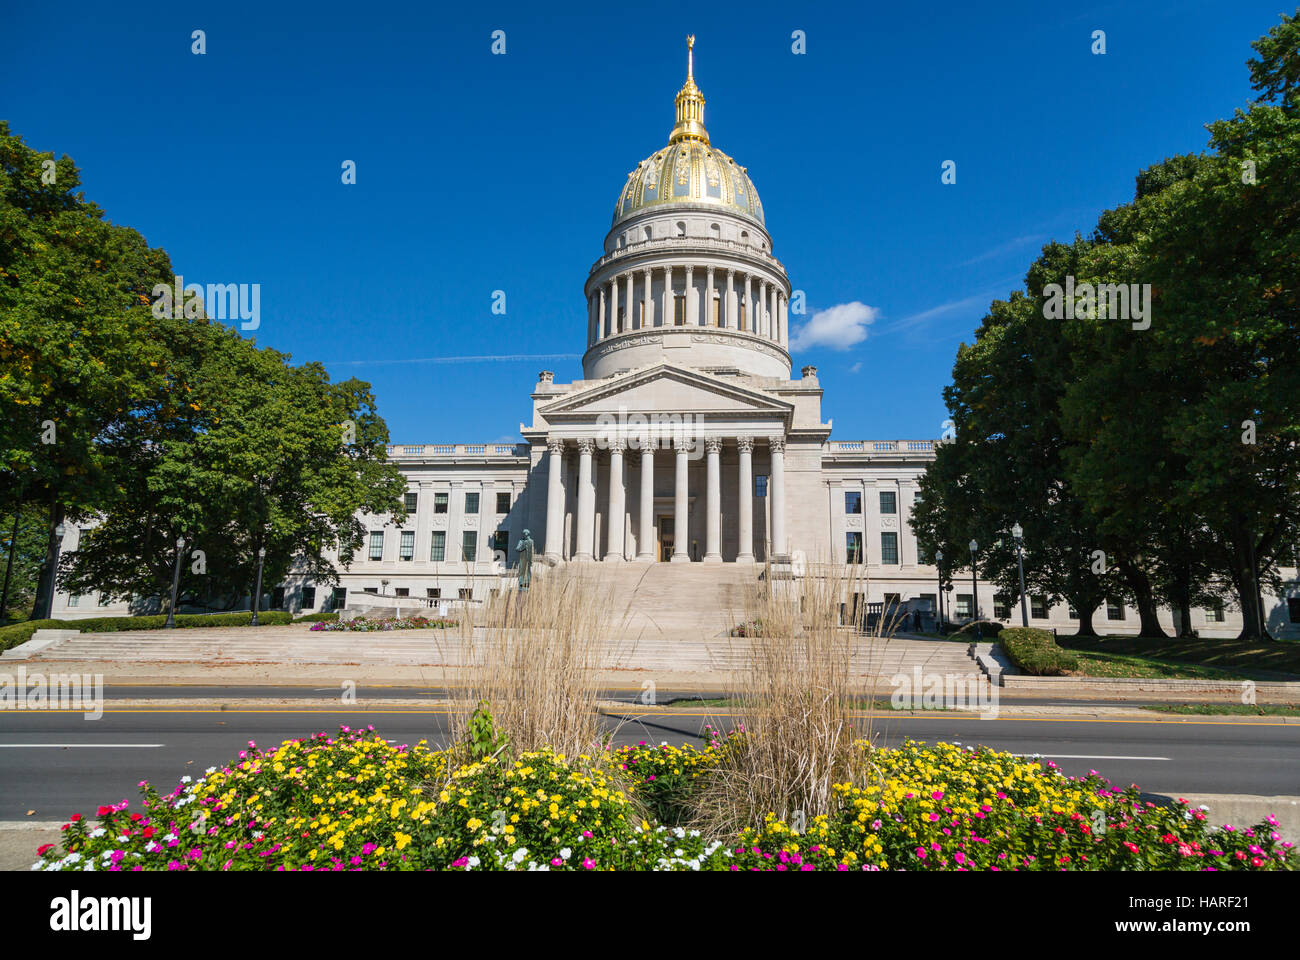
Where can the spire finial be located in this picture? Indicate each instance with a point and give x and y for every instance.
(689, 103)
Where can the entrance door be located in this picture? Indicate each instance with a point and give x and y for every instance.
(665, 539)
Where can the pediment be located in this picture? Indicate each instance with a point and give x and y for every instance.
(665, 388)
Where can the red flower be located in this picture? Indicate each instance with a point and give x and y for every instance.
(40, 851)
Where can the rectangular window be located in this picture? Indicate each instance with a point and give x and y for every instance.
(932, 599)
(370, 590)
(853, 546)
(1001, 606)
(376, 544)
(1038, 608)
(433, 593)
(740, 309)
(408, 545)
(888, 502)
(440, 503)
(471, 503)
(679, 311)
(500, 544)
(438, 550)
(1072, 613)
(409, 501)
(717, 311)
(889, 547)
(339, 598)
(852, 501)
(922, 555)
(503, 503)
(465, 593)
(73, 600)
(963, 605)
(1293, 608)
(402, 591)
(309, 598)
(469, 546)
(760, 485)
(1215, 614)
(1114, 611)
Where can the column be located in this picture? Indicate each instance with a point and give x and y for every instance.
(745, 502)
(776, 491)
(749, 303)
(647, 305)
(692, 300)
(582, 550)
(629, 302)
(614, 325)
(780, 317)
(600, 322)
(591, 321)
(708, 302)
(669, 316)
(730, 305)
(554, 500)
(646, 541)
(761, 320)
(617, 516)
(681, 539)
(713, 506)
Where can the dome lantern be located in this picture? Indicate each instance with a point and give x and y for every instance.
(689, 103)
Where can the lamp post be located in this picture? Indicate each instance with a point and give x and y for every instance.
(1018, 533)
(257, 594)
(176, 582)
(939, 565)
(974, 591)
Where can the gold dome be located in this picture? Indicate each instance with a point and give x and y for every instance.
(689, 169)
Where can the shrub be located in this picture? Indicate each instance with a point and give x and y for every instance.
(988, 628)
(316, 618)
(16, 633)
(1035, 651)
(157, 621)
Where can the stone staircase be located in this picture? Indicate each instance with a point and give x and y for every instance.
(663, 618)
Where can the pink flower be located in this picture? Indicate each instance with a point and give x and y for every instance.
(588, 864)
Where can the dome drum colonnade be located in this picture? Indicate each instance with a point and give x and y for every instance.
(585, 546)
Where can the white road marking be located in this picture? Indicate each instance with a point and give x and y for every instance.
(1083, 756)
(64, 745)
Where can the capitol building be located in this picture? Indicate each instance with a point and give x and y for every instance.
(688, 440)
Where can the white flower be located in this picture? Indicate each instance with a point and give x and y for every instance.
(473, 862)
(210, 770)
(97, 833)
(566, 853)
(187, 779)
(519, 855)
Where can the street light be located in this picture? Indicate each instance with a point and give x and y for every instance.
(974, 592)
(176, 581)
(257, 595)
(939, 563)
(1018, 532)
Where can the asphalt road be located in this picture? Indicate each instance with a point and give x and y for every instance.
(57, 764)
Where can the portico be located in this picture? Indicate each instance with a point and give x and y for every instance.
(680, 480)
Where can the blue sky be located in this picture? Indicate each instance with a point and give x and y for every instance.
(478, 172)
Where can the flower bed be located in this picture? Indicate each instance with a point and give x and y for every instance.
(365, 625)
(355, 802)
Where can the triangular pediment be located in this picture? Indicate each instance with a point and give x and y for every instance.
(665, 388)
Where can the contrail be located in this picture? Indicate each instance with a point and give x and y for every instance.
(480, 359)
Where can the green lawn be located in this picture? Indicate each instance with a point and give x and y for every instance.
(1278, 660)
(1092, 664)
(1230, 709)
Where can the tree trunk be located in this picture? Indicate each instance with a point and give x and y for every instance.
(1086, 629)
(1248, 589)
(1144, 599)
(1184, 618)
(45, 586)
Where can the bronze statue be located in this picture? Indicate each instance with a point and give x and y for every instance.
(525, 549)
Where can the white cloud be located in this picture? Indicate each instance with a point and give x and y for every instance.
(838, 327)
(856, 368)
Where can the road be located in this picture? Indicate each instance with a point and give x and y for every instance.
(57, 764)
